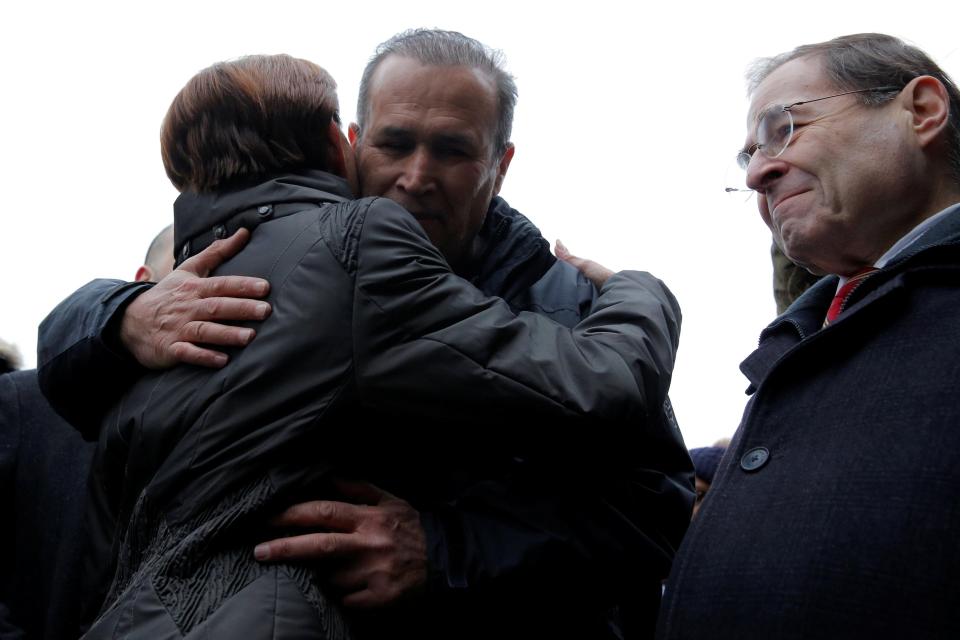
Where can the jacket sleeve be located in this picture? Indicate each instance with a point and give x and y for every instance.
(601, 491)
(426, 338)
(590, 530)
(82, 368)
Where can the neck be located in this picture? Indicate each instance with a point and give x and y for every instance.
(940, 191)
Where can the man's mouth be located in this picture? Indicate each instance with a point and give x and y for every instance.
(781, 199)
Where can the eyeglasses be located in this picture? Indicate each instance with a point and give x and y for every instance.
(775, 128)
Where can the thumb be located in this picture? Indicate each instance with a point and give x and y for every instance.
(216, 254)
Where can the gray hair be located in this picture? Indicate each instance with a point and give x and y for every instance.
(446, 48)
(866, 60)
(10, 359)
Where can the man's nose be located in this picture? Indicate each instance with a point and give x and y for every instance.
(763, 171)
(417, 175)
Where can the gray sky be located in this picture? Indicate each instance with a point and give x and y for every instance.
(628, 119)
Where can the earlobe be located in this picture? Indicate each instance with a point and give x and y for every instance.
(502, 167)
(144, 274)
(929, 104)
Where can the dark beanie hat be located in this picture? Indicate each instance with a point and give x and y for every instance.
(705, 461)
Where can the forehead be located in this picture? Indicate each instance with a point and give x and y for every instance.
(799, 79)
(406, 91)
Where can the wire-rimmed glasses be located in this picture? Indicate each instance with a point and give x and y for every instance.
(775, 131)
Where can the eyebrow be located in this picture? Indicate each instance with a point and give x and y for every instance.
(454, 139)
(393, 131)
(440, 138)
(766, 109)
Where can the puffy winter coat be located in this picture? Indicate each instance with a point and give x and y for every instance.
(368, 322)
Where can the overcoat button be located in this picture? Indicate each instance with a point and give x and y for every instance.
(219, 232)
(754, 459)
(265, 210)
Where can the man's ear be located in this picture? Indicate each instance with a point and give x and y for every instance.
(503, 166)
(338, 159)
(144, 274)
(929, 104)
(353, 132)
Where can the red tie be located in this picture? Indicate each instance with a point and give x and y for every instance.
(844, 292)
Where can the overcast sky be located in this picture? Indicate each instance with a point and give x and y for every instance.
(628, 118)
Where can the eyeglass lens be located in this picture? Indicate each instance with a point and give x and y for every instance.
(773, 134)
(774, 131)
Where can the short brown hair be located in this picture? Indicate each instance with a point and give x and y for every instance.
(243, 119)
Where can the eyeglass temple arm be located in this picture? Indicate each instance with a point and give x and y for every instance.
(845, 93)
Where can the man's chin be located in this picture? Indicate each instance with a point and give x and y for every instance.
(798, 257)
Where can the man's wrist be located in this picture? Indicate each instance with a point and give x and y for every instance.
(120, 334)
(440, 579)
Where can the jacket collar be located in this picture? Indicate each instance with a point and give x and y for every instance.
(805, 316)
(199, 219)
(945, 232)
(510, 254)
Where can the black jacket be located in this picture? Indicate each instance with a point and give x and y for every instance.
(834, 512)
(44, 465)
(520, 519)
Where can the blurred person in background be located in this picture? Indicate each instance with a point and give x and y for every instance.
(790, 280)
(705, 463)
(10, 359)
(159, 259)
(44, 464)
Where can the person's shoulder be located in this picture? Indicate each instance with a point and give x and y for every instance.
(8, 393)
(19, 396)
(22, 383)
(385, 220)
(373, 212)
(374, 230)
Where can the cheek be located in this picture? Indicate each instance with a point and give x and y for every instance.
(374, 174)
(485, 180)
(764, 210)
(466, 191)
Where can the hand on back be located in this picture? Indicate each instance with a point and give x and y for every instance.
(166, 324)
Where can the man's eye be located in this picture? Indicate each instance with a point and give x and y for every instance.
(451, 152)
(393, 146)
(799, 124)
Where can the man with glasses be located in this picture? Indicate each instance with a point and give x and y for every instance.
(834, 513)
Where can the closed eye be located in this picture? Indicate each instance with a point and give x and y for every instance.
(393, 140)
(445, 151)
(394, 146)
